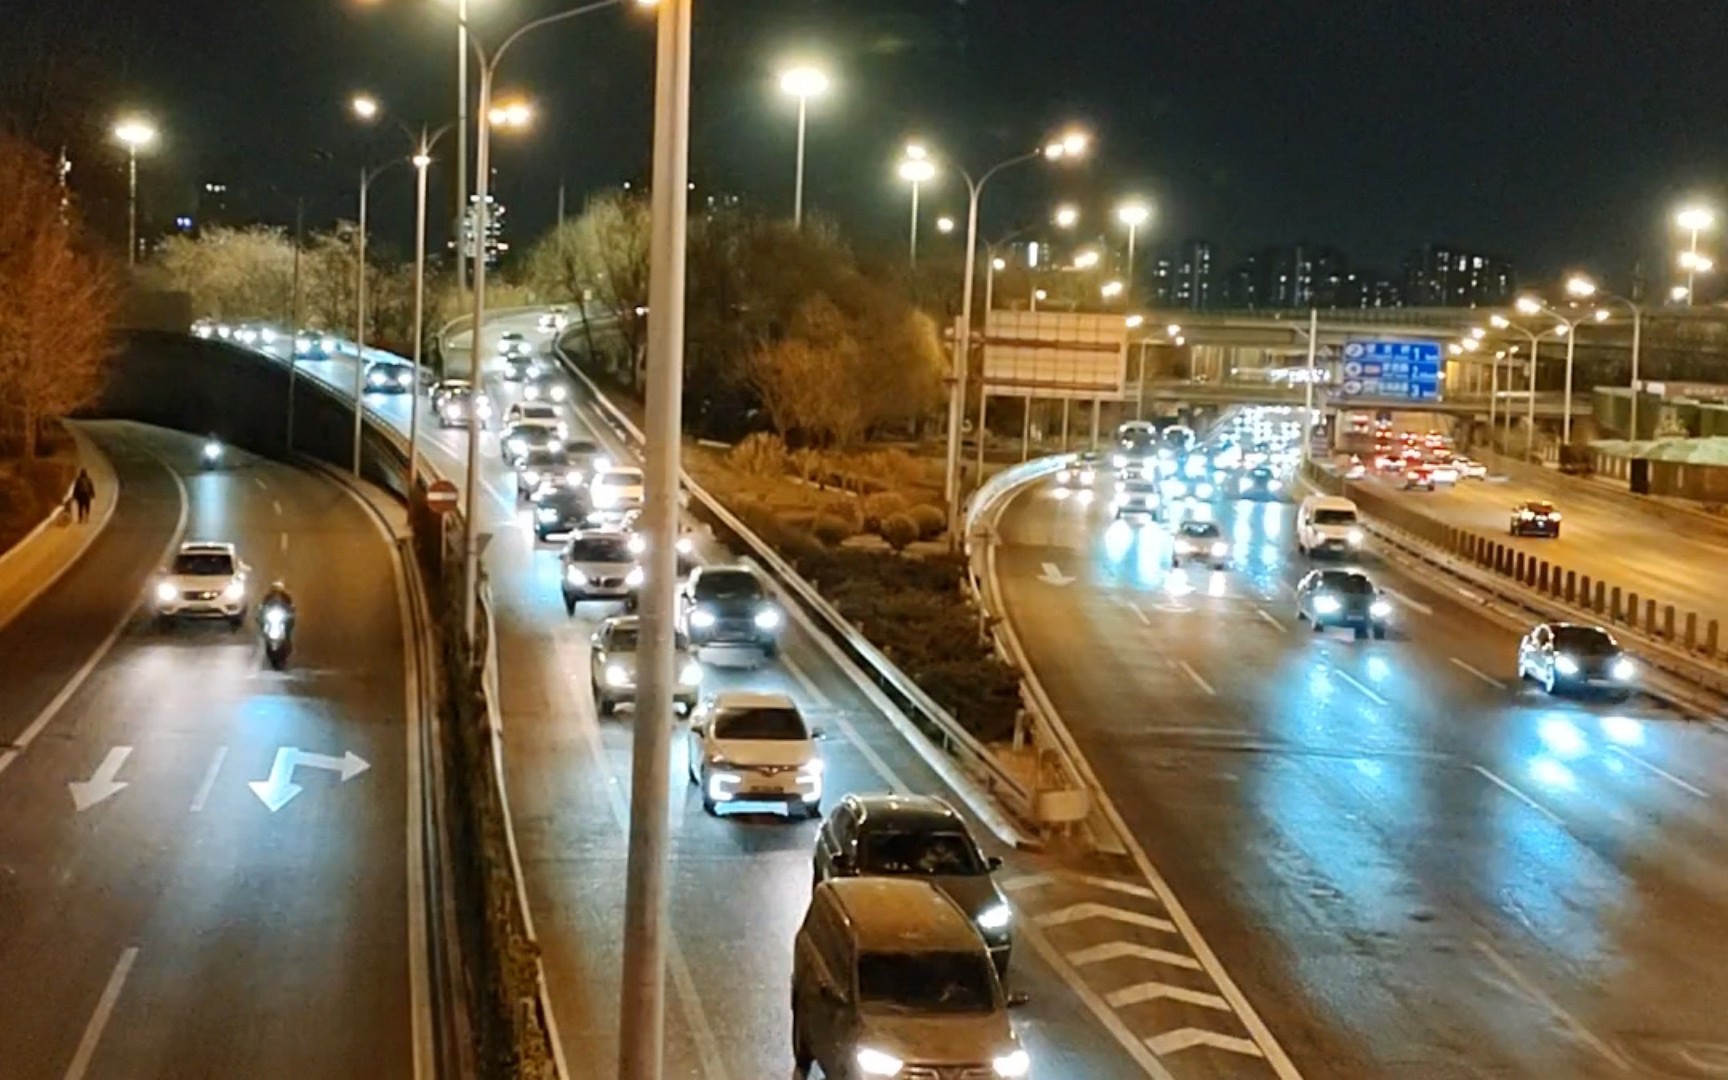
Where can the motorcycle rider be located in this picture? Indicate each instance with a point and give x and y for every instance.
(279, 596)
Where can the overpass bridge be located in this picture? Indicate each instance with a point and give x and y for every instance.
(1549, 405)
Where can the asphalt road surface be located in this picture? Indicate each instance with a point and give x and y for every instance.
(157, 917)
(1099, 954)
(1411, 865)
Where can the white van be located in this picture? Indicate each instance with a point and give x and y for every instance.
(1328, 524)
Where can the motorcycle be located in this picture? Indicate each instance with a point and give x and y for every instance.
(278, 638)
(212, 454)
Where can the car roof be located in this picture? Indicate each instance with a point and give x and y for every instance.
(206, 547)
(753, 699)
(1335, 572)
(893, 808)
(1537, 502)
(1330, 502)
(900, 914)
(628, 470)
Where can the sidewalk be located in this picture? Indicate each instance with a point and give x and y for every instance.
(36, 562)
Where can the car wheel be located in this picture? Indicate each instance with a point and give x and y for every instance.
(771, 650)
(607, 706)
(709, 808)
(569, 605)
(813, 811)
(1361, 633)
(236, 621)
(802, 1058)
(1379, 633)
(1556, 534)
(1175, 561)
(1317, 626)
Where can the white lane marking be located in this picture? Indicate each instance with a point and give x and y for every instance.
(209, 781)
(1480, 674)
(1138, 614)
(1360, 685)
(1185, 1038)
(1096, 1005)
(1264, 614)
(1416, 605)
(1660, 771)
(509, 505)
(1157, 991)
(1189, 671)
(881, 767)
(1116, 950)
(99, 1019)
(1535, 995)
(282, 543)
(276, 505)
(52, 709)
(1036, 881)
(259, 480)
(1503, 785)
(1074, 913)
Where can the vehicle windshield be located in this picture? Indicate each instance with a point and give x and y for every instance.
(619, 479)
(1261, 472)
(1139, 487)
(532, 433)
(204, 564)
(1139, 442)
(542, 459)
(1584, 639)
(1334, 517)
(601, 549)
(582, 446)
(1539, 507)
(729, 585)
(926, 982)
(537, 412)
(775, 722)
(1203, 529)
(626, 639)
(1355, 584)
(925, 853)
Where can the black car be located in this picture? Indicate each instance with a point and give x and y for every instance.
(451, 400)
(518, 368)
(519, 440)
(729, 607)
(546, 387)
(916, 836)
(549, 467)
(383, 377)
(1200, 541)
(1260, 482)
(1535, 518)
(1568, 656)
(1343, 598)
(559, 511)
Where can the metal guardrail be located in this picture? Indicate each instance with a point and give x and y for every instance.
(929, 716)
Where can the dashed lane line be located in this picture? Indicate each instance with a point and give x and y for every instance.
(1480, 674)
(1360, 685)
(1506, 786)
(1188, 670)
(1663, 773)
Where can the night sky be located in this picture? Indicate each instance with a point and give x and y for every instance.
(1555, 132)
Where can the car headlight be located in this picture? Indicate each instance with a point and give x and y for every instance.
(575, 576)
(995, 917)
(1121, 487)
(873, 1062)
(516, 446)
(301, 344)
(635, 577)
(605, 498)
(1555, 516)
(165, 592)
(573, 478)
(637, 544)
(617, 676)
(1355, 537)
(1064, 476)
(1220, 549)
(767, 619)
(559, 392)
(701, 619)
(330, 344)
(1565, 665)
(531, 477)
(1380, 609)
(234, 590)
(1013, 1065)
(686, 546)
(546, 513)
(1118, 502)
(690, 674)
(1525, 515)
(1244, 484)
(1623, 670)
(1203, 491)
(483, 406)
(723, 785)
(1087, 476)
(1326, 605)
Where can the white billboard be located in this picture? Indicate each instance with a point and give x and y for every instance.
(1055, 354)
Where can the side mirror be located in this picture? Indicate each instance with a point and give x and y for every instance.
(1018, 998)
(994, 862)
(819, 733)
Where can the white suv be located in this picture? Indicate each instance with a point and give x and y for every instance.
(206, 580)
(755, 748)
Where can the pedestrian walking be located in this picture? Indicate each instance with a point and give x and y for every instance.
(83, 494)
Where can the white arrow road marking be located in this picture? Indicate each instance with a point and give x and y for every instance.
(1053, 575)
(279, 789)
(1079, 912)
(101, 785)
(1185, 1038)
(1116, 950)
(1157, 991)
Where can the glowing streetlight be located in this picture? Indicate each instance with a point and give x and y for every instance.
(135, 134)
(1133, 213)
(1694, 263)
(944, 225)
(998, 264)
(1066, 217)
(1086, 260)
(1693, 220)
(1679, 293)
(1135, 322)
(1112, 289)
(1477, 333)
(1172, 330)
(1529, 305)
(1072, 144)
(1580, 286)
(365, 106)
(510, 114)
(803, 83)
(916, 169)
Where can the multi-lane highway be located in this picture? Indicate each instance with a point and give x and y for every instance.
(740, 884)
(1411, 864)
(1675, 558)
(165, 908)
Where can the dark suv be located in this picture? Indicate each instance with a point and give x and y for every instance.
(728, 606)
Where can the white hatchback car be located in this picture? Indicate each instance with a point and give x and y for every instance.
(618, 488)
(206, 580)
(750, 747)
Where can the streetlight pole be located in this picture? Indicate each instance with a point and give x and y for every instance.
(294, 315)
(1581, 286)
(134, 134)
(642, 1003)
(1133, 214)
(461, 144)
(366, 178)
(917, 170)
(1694, 220)
(482, 174)
(802, 83)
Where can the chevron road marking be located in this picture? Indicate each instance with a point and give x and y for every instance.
(1157, 991)
(1080, 912)
(1116, 950)
(1186, 1038)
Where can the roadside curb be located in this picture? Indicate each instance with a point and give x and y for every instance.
(49, 552)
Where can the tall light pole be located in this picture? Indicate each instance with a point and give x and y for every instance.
(1133, 213)
(135, 134)
(803, 83)
(916, 169)
(1500, 322)
(486, 118)
(1694, 220)
(1584, 288)
(1530, 305)
(642, 1002)
(461, 143)
(422, 161)
(1068, 148)
(366, 108)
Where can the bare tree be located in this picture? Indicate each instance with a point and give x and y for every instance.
(603, 252)
(56, 301)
